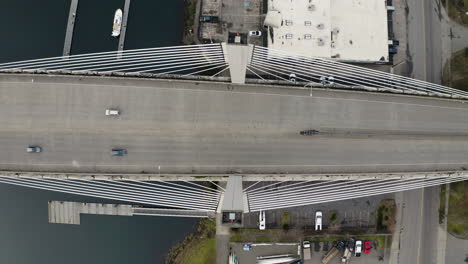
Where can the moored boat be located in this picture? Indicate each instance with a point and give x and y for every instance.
(117, 23)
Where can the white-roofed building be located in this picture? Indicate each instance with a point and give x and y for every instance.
(345, 30)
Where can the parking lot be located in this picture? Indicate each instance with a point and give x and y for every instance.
(319, 249)
(355, 214)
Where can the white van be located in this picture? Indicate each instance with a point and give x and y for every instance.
(318, 221)
(110, 112)
(262, 220)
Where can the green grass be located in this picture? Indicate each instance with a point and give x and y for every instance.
(190, 10)
(285, 220)
(325, 239)
(204, 252)
(457, 218)
(457, 10)
(333, 217)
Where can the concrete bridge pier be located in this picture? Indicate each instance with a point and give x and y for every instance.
(238, 57)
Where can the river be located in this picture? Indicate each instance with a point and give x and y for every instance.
(32, 29)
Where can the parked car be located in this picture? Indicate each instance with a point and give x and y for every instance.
(261, 220)
(306, 244)
(119, 152)
(33, 149)
(340, 245)
(393, 42)
(247, 247)
(209, 19)
(318, 221)
(112, 112)
(392, 51)
(358, 248)
(367, 247)
(351, 244)
(255, 33)
(292, 77)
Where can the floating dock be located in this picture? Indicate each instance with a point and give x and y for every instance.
(124, 25)
(70, 27)
(61, 212)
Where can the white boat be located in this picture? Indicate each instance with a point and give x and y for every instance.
(117, 23)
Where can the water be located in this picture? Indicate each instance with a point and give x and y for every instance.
(26, 237)
(32, 29)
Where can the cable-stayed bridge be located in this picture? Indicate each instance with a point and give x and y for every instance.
(192, 115)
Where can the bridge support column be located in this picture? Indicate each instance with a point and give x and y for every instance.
(238, 57)
(233, 203)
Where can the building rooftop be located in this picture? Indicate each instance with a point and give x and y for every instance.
(346, 30)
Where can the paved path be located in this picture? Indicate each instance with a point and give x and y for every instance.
(187, 127)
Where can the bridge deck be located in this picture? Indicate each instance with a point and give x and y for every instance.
(189, 127)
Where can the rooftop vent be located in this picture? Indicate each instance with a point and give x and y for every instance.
(307, 23)
(321, 42)
(321, 26)
(307, 36)
(311, 8)
(289, 22)
(289, 36)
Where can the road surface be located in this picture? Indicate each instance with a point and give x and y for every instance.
(189, 127)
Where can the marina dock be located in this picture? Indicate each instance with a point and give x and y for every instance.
(124, 25)
(70, 27)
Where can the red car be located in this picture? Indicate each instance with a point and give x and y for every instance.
(367, 247)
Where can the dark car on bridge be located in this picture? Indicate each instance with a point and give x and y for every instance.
(119, 152)
(33, 149)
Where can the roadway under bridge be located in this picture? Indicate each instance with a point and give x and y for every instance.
(175, 127)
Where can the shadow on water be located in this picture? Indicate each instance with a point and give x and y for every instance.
(26, 236)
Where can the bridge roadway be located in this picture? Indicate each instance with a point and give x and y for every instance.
(171, 126)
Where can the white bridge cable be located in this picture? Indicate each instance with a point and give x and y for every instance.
(182, 58)
(301, 184)
(172, 65)
(331, 198)
(134, 192)
(209, 69)
(157, 190)
(308, 70)
(354, 193)
(93, 60)
(352, 81)
(199, 187)
(93, 65)
(313, 192)
(305, 190)
(217, 65)
(202, 186)
(111, 53)
(132, 199)
(331, 67)
(337, 196)
(184, 190)
(111, 193)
